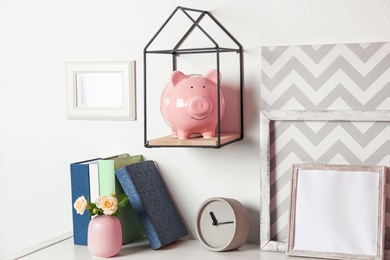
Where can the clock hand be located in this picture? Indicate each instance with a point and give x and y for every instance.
(215, 221)
(223, 223)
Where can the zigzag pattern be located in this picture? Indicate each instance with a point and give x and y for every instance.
(357, 143)
(326, 77)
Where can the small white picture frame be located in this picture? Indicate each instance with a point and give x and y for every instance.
(101, 90)
(337, 211)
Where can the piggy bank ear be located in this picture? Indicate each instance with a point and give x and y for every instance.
(176, 77)
(213, 76)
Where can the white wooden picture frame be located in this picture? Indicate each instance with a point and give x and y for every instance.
(266, 117)
(337, 211)
(101, 90)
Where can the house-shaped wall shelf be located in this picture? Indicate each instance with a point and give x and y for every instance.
(195, 38)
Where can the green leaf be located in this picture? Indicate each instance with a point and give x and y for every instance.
(122, 200)
(91, 205)
(121, 197)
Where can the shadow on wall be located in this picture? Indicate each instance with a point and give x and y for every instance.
(254, 226)
(230, 122)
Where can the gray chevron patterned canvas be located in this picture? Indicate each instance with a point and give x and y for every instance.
(324, 77)
(331, 77)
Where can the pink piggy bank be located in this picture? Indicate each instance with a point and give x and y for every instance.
(189, 104)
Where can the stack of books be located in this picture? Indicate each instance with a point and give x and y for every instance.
(151, 210)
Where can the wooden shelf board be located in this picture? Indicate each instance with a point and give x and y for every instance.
(194, 141)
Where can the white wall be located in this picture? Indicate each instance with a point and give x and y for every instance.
(38, 142)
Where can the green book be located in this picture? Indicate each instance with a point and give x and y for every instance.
(108, 183)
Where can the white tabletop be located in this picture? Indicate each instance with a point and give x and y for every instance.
(182, 249)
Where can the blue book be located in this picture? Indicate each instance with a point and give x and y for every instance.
(83, 176)
(152, 203)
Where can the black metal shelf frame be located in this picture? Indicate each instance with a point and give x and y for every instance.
(176, 51)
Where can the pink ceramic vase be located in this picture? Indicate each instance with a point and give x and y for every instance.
(104, 236)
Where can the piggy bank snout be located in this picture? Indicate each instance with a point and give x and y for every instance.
(199, 105)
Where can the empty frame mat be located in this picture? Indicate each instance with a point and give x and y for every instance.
(337, 211)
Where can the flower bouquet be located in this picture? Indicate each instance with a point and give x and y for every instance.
(104, 205)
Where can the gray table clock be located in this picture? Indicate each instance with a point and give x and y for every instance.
(222, 224)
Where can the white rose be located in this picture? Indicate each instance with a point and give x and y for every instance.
(80, 205)
(108, 204)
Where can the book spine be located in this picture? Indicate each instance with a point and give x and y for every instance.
(106, 177)
(125, 180)
(80, 187)
(93, 181)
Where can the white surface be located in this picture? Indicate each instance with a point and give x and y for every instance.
(337, 211)
(97, 90)
(183, 249)
(37, 142)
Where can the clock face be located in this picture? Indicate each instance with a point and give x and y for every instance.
(216, 223)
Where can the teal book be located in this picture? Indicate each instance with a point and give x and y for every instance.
(84, 182)
(108, 183)
(152, 203)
